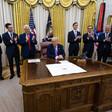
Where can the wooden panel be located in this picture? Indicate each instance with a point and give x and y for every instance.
(44, 102)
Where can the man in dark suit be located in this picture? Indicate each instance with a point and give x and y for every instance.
(105, 41)
(74, 38)
(28, 42)
(89, 39)
(2, 78)
(55, 50)
(10, 40)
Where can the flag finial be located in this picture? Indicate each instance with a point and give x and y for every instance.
(30, 4)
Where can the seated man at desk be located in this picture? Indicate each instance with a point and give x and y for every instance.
(55, 50)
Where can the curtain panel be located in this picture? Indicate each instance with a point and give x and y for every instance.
(50, 3)
(6, 15)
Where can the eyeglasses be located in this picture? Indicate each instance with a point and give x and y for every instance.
(27, 29)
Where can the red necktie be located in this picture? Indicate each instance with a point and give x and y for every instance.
(29, 42)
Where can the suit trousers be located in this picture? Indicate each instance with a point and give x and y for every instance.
(103, 55)
(0, 64)
(10, 59)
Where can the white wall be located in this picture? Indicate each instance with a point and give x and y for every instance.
(108, 9)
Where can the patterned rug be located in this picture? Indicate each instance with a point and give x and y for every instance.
(6, 71)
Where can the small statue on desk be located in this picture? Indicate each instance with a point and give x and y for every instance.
(82, 58)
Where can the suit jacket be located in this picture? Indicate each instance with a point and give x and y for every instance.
(25, 45)
(104, 44)
(0, 46)
(51, 51)
(71, 38)
(88, 43)
(11, 48)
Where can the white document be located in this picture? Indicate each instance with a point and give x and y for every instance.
(34, 61)
(64, 68)
(64, 61)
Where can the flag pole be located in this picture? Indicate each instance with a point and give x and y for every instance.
(30, 5)
(49, 9)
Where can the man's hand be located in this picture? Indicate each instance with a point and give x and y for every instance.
(33, 38)
(78, 37)
(92, 36)
(89, 35)
(12, 38)
(108, 39)
(26, 38)
(60, 57)
(15, 39)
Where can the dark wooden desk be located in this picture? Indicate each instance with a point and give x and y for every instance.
(68, 93)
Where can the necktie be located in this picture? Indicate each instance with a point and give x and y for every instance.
(56, 54)
(11, 34)
(29, 42)
(106, 35)
(75, 33)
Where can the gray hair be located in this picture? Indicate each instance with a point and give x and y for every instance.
(25, 26)
(107, 26)
(54, 38)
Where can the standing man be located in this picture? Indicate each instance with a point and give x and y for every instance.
(104, 48)
(2, 78)
(89, 39)
(28, 42)
(10, 40)
(55, 50)
(74, 38)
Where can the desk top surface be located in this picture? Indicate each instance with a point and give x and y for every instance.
(38, 72)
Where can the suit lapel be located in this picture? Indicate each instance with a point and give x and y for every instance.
(30, 37)
(24, 36)
(53, 49)
(8, 36)
(87, 34)
(73, 33)
(58, 49)
(104, 35)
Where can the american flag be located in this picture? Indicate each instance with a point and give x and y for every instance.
(32, 24)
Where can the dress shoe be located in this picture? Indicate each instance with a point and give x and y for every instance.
(18, 75)
(2, 78)
(11, 76)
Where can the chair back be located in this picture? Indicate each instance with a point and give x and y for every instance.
(44, 49)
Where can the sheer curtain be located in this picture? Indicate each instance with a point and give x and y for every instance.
(40, 19)
(72, 15)
(6, 15)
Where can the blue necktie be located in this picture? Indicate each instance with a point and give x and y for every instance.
(106, 35)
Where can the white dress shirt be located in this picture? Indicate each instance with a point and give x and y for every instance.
(10, 36)
(75, 33)
(56, 47)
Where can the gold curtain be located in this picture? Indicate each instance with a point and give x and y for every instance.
(58, 21)
(89, 19)
(21, 17)
(109, 20)
(83, 2)
(50, 3)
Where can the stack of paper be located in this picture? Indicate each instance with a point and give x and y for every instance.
(33, 60)
(64, 68)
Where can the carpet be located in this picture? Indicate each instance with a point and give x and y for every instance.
(6, 71)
